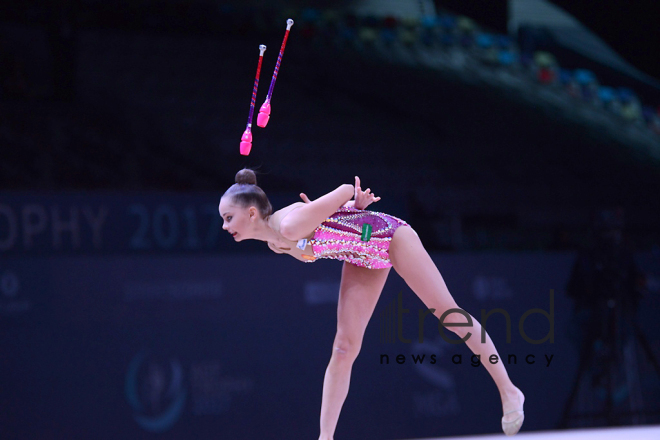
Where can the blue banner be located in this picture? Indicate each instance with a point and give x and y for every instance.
(98, 223)
(236, 346)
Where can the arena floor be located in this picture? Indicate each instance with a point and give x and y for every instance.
(618, 433)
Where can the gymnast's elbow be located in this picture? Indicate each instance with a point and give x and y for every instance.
(289, 231)
(301, 222)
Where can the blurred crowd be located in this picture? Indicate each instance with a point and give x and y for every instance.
(436, 34)
(141, 137)
(448, 32)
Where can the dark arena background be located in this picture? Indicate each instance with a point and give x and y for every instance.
(521, 140)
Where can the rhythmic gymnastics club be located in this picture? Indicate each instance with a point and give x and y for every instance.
(246, 139)
(264, 111)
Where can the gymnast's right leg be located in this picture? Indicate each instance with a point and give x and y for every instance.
(359, 291)
(413, 263)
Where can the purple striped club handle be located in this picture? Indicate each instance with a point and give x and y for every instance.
(246, 139)
(264, 111)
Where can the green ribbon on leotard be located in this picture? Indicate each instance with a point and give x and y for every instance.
(366, 232)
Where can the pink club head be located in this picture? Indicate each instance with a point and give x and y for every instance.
(246, 142)
(247, 136)
(264, 115)
(245, 148)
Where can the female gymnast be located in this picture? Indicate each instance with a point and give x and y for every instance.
(331, 227)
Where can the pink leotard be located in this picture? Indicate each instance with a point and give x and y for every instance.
(339, 237)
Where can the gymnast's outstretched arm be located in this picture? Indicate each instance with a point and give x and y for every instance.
(361, 200)
(301, 222)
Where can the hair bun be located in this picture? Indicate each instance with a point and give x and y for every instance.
(246, 177)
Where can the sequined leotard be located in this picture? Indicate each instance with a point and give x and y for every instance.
(340, 236)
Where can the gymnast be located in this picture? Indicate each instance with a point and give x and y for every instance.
(369, 243)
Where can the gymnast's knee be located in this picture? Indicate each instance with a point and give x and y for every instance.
(461, 332)
(345, 349)
(454, 322)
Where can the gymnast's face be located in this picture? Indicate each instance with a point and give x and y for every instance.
(239, 222)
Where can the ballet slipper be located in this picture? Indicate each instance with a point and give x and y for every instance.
(513, 426)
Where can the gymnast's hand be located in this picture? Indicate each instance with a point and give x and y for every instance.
(363, 198)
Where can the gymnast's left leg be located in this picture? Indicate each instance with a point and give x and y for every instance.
(359, 291)
(415, 266)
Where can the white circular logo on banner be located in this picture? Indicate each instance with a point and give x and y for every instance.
(156, 391)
